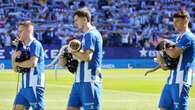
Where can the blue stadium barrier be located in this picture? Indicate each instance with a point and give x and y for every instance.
(108, 63)
(122, 58)
(129, 63)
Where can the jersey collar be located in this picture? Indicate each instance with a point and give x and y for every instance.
(181, 35)
(90, 29)
(29, 43)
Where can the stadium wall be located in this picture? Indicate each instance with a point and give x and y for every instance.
(112, 57)
(128, 63)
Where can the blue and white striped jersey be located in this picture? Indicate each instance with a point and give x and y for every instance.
(89, 71)
(186, 66)
(36, 76)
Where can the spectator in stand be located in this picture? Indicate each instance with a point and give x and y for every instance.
(145, 15)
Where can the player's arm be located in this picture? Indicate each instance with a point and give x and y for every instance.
(84, 56)
(28, 63)
(182, 45)
(171, 48)
(88, 49)
(34, 57)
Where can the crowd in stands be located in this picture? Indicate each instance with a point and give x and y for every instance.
(122, 23)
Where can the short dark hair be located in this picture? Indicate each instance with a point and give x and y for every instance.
(83, 12)
(182, 14)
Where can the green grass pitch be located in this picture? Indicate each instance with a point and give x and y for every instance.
(123, 89)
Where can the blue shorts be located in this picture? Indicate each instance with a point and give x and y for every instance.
(31, 97)
(86, 95)
(175, 97)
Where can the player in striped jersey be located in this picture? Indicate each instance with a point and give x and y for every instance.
(176, 91)
(31, 93)
(86, 90)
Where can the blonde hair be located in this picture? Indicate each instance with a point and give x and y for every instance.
(26, 24)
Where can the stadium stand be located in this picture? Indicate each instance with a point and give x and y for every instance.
(126, 23)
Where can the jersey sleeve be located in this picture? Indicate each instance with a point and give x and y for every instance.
(89, 42)
(184, 43)
(35, 50)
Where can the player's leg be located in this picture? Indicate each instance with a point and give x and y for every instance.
(35, 97)
(91, 96)
(20, 102)
(163, 109)
(74, 102)
(73, 108)
(19, 107)
(165, 99)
